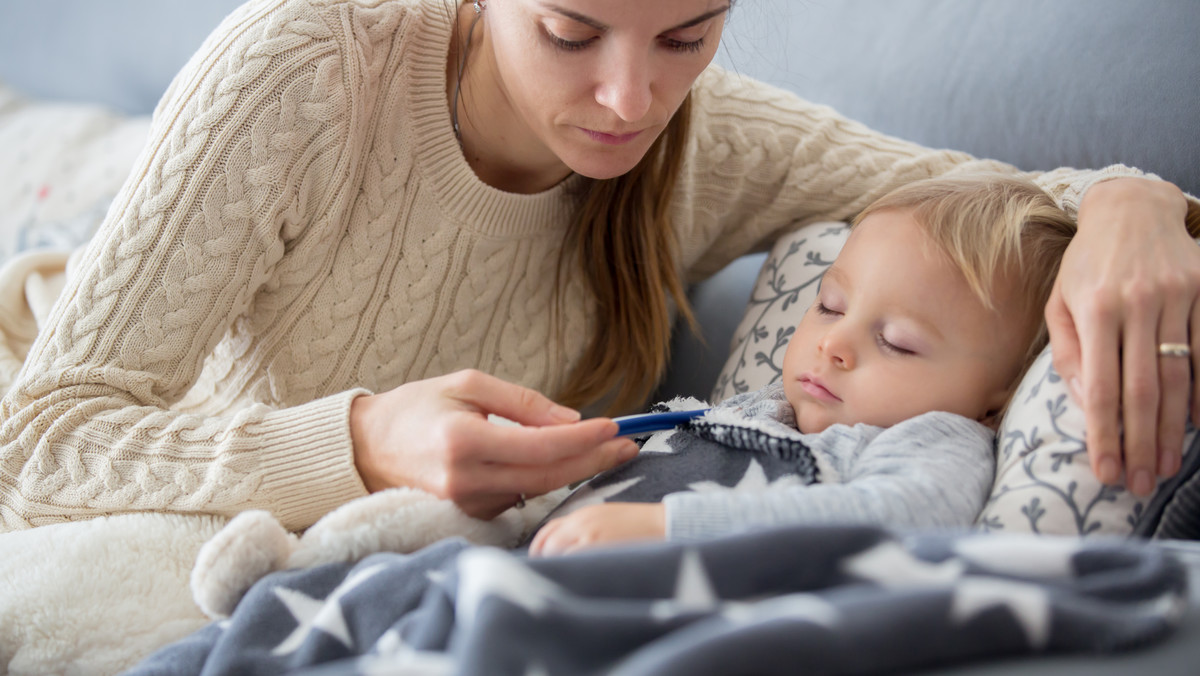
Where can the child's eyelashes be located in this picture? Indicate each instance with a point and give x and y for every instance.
(889, 346)
(884, 344)
(824, 309)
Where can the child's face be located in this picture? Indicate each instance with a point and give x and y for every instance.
(896, 332)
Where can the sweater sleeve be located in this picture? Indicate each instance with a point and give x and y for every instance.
(242, 158)
(763, 161)
(935, 470)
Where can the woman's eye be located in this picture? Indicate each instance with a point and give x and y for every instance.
(683, 45)
(889, 346)
(568, 45)
(672, 44)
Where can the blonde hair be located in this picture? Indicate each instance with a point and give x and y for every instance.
(993, 227)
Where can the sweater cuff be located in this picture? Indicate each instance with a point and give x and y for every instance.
(695, 516)
(307, 460)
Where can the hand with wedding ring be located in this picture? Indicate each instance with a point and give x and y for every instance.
(1124, 322)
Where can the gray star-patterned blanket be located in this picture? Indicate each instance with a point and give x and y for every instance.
(748, 442)
(811, 599)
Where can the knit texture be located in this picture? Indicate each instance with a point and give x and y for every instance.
(302, 228)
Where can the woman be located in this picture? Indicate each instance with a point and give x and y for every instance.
(350, 214)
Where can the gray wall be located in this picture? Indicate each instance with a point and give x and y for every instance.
(122, 53)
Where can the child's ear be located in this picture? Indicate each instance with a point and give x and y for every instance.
(997, 404)
(992, 419)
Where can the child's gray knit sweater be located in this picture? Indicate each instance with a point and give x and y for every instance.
(744, 465)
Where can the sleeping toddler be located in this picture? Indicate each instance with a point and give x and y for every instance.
(892, 388)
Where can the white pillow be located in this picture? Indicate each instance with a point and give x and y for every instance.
(786, 286)
(61, 166)
(1043, 482)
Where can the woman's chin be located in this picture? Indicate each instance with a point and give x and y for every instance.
(601, 162)
(603, 169)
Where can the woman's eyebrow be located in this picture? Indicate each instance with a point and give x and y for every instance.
(590, 22)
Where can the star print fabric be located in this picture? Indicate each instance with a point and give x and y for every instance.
(812, 599)
(744, 465)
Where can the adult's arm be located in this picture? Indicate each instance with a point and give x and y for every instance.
(235, 172)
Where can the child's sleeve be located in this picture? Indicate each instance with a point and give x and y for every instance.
(935, 470)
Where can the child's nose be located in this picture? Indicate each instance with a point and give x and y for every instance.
(837, 347)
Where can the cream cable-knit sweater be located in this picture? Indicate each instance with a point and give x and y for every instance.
(302, 228)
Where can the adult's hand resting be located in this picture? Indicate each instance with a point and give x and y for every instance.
(1130, 280)
(434, 435)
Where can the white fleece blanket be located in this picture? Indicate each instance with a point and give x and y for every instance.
(95, 597)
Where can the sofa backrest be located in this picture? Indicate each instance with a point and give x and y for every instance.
(1037, 83)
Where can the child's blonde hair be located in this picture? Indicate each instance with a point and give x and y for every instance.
(992, 225)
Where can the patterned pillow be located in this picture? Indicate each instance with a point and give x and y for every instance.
(786, 286)
(1043, 481)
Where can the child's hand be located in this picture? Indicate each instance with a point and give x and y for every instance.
(607, 523)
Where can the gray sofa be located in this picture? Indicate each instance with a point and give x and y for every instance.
(1037, 83)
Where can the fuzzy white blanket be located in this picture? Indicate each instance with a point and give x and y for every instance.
(95, 597)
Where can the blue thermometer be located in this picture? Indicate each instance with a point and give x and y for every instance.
(654, 422)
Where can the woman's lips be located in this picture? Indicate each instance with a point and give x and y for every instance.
(817, 390)
(610, 139)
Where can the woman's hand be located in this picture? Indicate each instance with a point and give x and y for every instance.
(608, 523)
(434, 435)
(1130, 280)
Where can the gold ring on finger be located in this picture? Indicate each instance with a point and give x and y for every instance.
(1174, 350)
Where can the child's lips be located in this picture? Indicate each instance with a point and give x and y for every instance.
(817, 389)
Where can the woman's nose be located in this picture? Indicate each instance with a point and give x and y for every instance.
(624, 88)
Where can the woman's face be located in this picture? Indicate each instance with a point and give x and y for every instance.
(592, 83)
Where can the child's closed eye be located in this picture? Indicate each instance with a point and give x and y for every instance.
(889, 346)
(824, 309)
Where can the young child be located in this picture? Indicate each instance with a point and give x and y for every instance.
(892, 387)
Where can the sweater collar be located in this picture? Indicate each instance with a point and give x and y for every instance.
(464, 197)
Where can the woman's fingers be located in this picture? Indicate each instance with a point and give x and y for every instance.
(1175, 376)
(489, 394)
(434, 435)
(1195, 342)
(1099, 390)
(533, 479)
(1064, 338)
(480, 440)
(1140, 391)
(1129, 281)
